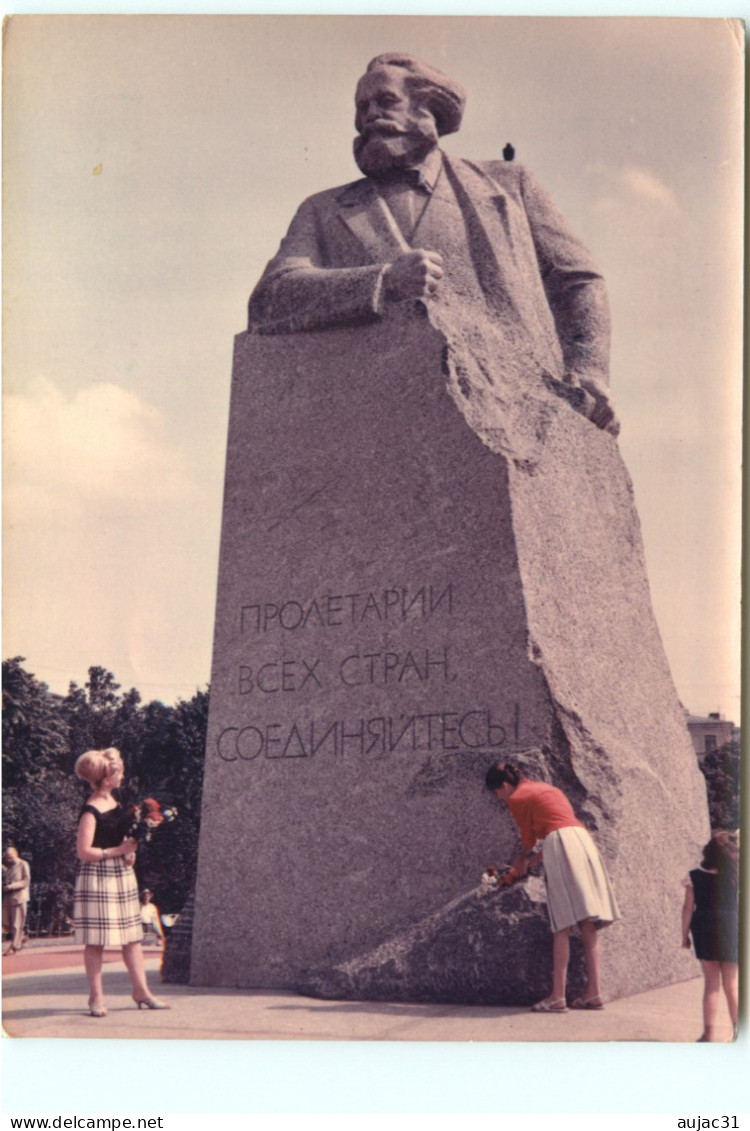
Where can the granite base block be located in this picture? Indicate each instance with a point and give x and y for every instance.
(419, 576)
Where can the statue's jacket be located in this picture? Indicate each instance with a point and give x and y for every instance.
(511, 263)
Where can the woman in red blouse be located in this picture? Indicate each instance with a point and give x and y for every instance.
(578, 888)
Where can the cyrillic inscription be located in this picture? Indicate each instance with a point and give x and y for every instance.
(356, 669)
(376, 736)
(348, 609)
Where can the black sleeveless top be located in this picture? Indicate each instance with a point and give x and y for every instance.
(111, 827)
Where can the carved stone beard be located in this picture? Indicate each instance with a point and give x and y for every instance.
(381, 150)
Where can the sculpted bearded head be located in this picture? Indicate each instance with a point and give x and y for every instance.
(402, 106)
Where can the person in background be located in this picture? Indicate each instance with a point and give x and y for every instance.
(710, 914)
(151, 919)
(16, 890)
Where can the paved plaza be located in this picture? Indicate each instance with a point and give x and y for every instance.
(51, 1002)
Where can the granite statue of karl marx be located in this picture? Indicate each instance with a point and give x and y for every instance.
(480, 240)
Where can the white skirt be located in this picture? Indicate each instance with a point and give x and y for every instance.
(577, 883)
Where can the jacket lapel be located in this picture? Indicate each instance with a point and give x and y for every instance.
(366, 215)
(475, 186)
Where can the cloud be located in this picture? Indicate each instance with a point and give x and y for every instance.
(103, 445)
(110, 541)
(630, 185)
(643, 183)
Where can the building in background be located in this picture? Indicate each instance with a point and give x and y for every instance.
(711, 731)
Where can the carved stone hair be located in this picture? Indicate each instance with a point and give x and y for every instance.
(500, 773)
(443, 96)
(94, 766)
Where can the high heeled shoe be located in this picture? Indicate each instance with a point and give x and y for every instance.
(150, 1002)
(99, 1010)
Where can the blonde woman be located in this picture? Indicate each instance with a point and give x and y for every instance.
(107, 910)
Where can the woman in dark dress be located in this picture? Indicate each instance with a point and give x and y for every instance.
(710, 915)
(107, 910)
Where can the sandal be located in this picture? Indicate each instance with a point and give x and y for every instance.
(553, 1005)
(594, 1002)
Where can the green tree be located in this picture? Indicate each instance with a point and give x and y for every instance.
(721, 769)
(171, 769)
(40, 798)
(34, 733)
(92, 712)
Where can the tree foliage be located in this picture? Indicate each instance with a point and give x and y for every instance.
(721, 769)
(44, 733)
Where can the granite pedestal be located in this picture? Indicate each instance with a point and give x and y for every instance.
(415, 581)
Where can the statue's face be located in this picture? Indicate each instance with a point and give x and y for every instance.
(395, 130)
(383, 103)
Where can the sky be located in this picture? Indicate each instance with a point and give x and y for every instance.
(152, 165)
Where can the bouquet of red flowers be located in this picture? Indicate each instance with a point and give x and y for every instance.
(494, 878)
(147, 815)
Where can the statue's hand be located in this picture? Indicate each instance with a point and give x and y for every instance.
(602, 413)
(415, 274)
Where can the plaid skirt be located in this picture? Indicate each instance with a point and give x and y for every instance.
(106, 907)
(577, 883)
